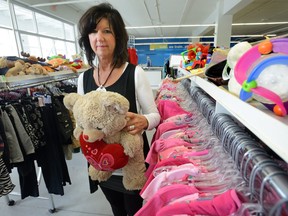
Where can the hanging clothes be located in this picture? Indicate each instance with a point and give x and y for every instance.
(6, 185)
(51, 157)
(21, 152)
(33, 133)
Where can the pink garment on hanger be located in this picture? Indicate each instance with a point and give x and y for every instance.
(161, 145)
(187, 198)
(166, 162)
(188, 134)
(164, 196)
(166, 126)
(181, 118)
(180, 151)
(221, 205)
(169, 108)
(180, 174)
(168, 86)
(165, 95)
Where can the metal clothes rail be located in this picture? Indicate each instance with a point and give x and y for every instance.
(20, 82)
(265, 174)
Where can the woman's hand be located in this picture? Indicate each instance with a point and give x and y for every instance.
(136, 123)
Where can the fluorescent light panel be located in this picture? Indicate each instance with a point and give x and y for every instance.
(182, 37)
(201, 25)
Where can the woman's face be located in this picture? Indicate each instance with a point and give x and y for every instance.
(102, 40)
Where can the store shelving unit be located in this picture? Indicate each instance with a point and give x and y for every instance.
(25, 81)
(269, 128)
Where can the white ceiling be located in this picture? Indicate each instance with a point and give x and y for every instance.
(180, 12)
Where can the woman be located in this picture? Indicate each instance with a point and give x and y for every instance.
(104, 39)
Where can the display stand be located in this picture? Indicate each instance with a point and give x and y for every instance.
(27, 81)
(271, 129)
(264, 173)
(11, 202)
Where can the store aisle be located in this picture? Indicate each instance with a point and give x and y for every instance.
(77, 200)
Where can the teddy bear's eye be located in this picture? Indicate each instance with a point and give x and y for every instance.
(98, 128)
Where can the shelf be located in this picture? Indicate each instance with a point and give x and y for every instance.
(33, 80)
(271, 129)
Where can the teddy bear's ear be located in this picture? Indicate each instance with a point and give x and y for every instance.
(70, 99)
(114, 106)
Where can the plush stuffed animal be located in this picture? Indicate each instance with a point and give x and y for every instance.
(36, 69)
(100, 118)
(16, 70)
(233, 55)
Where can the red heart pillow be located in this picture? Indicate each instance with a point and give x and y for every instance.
(103, 156)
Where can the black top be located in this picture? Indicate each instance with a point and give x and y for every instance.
(125, 86)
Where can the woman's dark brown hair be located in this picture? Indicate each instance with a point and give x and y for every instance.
(88, 23)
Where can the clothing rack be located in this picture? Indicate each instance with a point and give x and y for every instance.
(14, 83)
(266, 177)
(11, 202)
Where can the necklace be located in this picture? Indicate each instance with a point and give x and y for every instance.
(102, 86)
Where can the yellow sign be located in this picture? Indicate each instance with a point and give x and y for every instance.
(158, 46)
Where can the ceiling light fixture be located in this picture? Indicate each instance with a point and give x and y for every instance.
(61, 3)
(212, 36)
(199, 25)
(168, 26)
(262, 23)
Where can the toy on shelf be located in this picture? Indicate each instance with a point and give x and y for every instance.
(31, 58)
(263, 73)
(60, 62)
(77, 61)
(217, 62)
(28, 65)
(233, 55)
(196, 56)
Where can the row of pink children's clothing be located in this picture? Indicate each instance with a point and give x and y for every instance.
(189, 172)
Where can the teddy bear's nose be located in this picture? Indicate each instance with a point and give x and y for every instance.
(86, 137)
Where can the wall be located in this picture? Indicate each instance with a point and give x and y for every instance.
(159, 50)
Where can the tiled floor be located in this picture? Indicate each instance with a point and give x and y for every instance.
(77, 200)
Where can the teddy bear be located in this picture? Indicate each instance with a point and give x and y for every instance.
(100, 120)
(16, 70)
(36, 69)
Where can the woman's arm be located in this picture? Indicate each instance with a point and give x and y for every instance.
(145, 99)
(80, 88)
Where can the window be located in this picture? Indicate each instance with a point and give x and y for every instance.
(31, 45)
(69, 32)
(37, 33)
(48, 48)
(49, 26)
(60, 47)
(24, 19)
(70, 50)
(5, 20)
(7, 43)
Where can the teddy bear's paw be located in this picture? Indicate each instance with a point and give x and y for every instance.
(131, 144)
(103, 175)
(129, 151)
(93, 173)
(77, 132)
(135, 183)
(97, 175)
